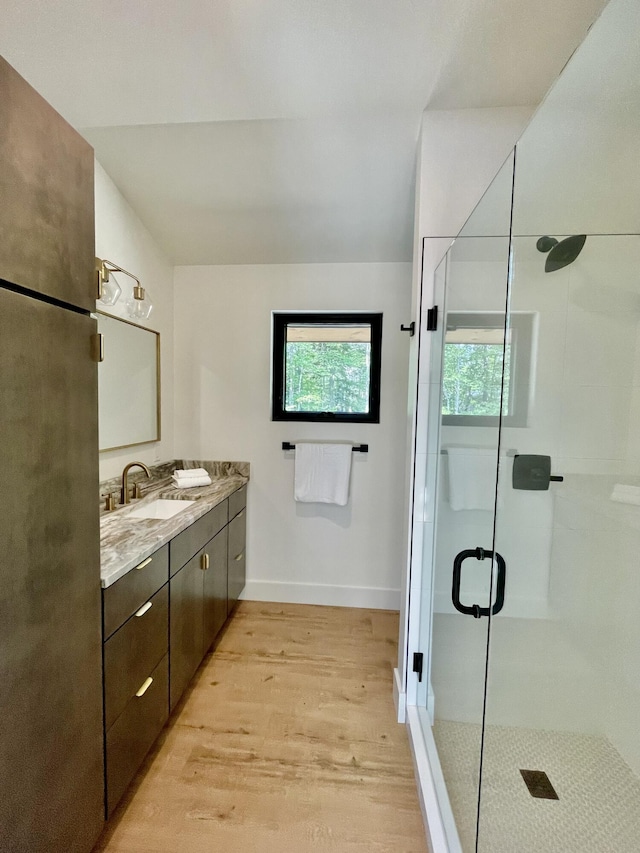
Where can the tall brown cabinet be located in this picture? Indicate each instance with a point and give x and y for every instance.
(51, 754)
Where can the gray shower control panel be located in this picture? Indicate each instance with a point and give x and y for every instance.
(532, 472)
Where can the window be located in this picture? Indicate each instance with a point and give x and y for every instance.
(326, 367)
(474, 349)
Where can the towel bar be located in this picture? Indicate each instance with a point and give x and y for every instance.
(510, 452)
(357, 448)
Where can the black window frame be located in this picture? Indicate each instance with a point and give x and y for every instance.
(278, 365)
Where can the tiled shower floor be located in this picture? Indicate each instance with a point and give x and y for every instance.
(598, 810)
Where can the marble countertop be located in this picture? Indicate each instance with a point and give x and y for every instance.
(125, 542)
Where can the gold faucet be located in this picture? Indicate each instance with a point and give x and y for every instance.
(124, 491)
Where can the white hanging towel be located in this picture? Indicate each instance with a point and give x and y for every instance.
(472, 477)
(322, 473)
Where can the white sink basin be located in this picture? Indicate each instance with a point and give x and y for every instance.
(160, 509)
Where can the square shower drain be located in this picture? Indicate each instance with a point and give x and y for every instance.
(539, 785)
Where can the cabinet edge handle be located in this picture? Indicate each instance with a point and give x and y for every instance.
(97, 347)
(144, 563)
(144, 608)
(239, 557)
(204, 562)
(147, 684)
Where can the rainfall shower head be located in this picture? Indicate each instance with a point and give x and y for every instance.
(560, 254)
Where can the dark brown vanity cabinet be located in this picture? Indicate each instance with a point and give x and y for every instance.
(215, 588)
(159, 621)
(198, 590)
(186, 625)
(237, 563)
(136, 668)
(198, 610)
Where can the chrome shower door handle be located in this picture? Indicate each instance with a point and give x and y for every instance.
(474, 609)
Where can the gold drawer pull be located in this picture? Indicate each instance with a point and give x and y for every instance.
(145, 687)
(144, 608)
(204, 562)
(144, 563)
(240, 514)
(239, 557)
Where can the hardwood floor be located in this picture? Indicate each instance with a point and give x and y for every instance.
(286, 742)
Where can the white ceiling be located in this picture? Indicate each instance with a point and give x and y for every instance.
(261, 131)
(578, 168)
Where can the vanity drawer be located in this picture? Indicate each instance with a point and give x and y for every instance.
(237, 502)
(195, 537)
(133, 733)
(237, 559)
(133, 651)
(127, 595)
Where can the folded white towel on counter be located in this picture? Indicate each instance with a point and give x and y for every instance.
(626, 494)
(191, 482)
(322, 473)
(190, 472)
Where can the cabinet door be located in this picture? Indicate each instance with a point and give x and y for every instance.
(215, 588)
(237, 569)
(46, 187)
(185, 633)
(51, 766)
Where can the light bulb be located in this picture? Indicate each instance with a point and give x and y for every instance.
(139, 306)
(110, 290)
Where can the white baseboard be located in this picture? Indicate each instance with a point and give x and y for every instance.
(375, 598)
(399, 698)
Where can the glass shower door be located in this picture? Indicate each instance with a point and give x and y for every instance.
(467, 579)
(561, 753)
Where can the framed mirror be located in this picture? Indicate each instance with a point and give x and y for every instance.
(128, 384)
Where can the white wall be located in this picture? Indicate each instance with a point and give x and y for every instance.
(122, 238)
(296, 552)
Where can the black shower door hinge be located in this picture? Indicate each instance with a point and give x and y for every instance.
(418, 659)
(432, 319)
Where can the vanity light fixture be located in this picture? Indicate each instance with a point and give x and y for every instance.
(138, 305)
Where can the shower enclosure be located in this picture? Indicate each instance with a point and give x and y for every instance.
(530, 695)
